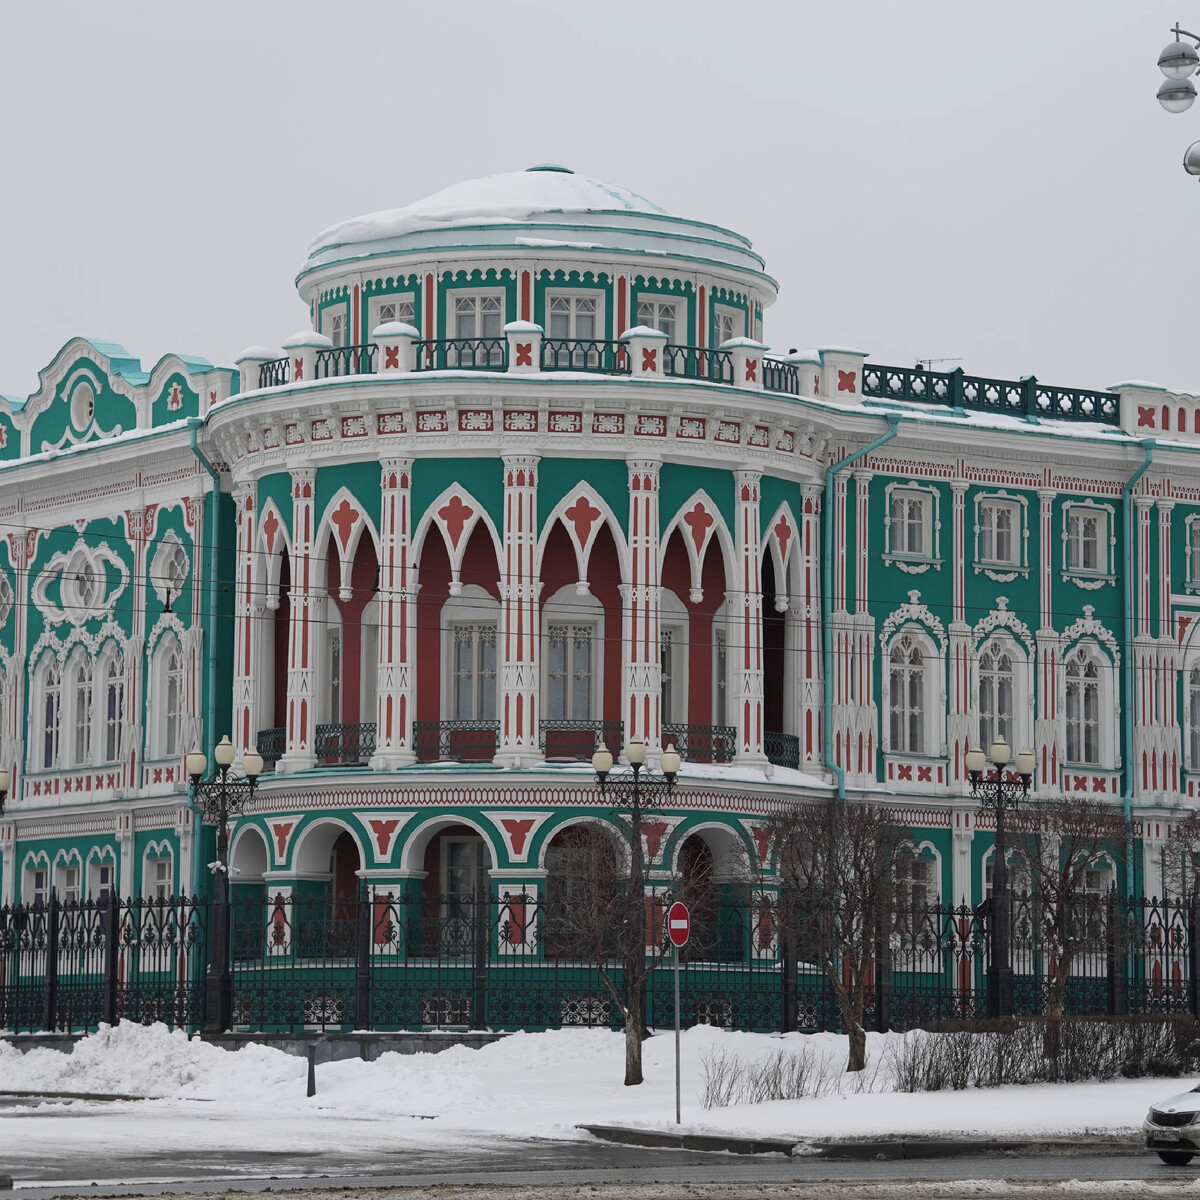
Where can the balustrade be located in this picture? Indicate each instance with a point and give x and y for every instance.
(345, 745)
(702, 743)
(346, 360)
(698, 362)
(455, 741)
(577, 740)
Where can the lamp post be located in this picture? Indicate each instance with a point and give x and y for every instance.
(221, 797)
(997, 794)
(1179, 62)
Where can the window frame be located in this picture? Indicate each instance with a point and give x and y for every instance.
(1191, 550)
(1001, 570)
(160, 687)
(1091, 650)
(397, 298)
(567, 608)
(674, 624)
(154, 857)
(477, 295)
(919, 644)
(679, 303)
(908, 561)
(331, 313)
(1088, 577)
(738, 317)
(595, 295)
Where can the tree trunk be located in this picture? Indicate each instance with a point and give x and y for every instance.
(1055, 998)
(858, 1047)
(633, 1036)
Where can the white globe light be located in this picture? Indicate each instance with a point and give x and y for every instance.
(1191, 159)
(1176, 95)
(1178, 60)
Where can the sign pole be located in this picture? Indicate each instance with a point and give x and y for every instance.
(677, 1115)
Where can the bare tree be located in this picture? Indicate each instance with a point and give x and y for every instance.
(1057, 841)
(835, 868)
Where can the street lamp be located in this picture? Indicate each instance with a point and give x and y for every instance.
(1179, 62)
(997, 794)
(219, 798)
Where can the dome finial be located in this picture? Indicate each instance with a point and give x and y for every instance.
(551, 167)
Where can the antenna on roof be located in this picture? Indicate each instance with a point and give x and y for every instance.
(924, 364)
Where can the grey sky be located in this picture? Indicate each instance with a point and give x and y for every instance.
(932, 178)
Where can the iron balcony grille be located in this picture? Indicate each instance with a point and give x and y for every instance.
(346, 745)
(702, 743)
(275, 373)
(455, 741)
(571, 354)
(780, 377)
(577, 740)
(346, 360)
(697, 362)
(783, 749)
(271, 745)
(463, 354)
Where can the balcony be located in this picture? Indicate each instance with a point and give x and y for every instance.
(346, 360)
(702, 743)
(338, 745)
(271, 745)
(463, 354)
(783, 749)
(696, 362)
(455, 741)
(572, 354)
(576, 741)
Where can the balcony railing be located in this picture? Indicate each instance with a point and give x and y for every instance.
(275, 373)
(573, 354)
(345, 745)
(463, 354)
(697, 362)
(271, 745)
(702, 743)
(455, 741)
(576, 741)
(1019, 398)
(780, 376)
(346, 360)
(783, 749)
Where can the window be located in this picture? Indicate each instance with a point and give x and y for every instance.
(910, 519)
(69, 884)
(999, 530)
(474, 683)
(906, 665)
(39, 886)
(51, 715)
(157, 880)
(1085, 533)
(671, 655)
(573, 317)
(335, 675)
(916, 889)
(720, 679)
(102, 881)
(396, 308)
(727, 323)
(336, 329)
(1194, 718)
(81, 712)
(1083, 708)
(569, 672)
(996, 690)
(478, 316)
(660, 315)
(83, 406)
(169, 692)
(169, 571)
(114, 707)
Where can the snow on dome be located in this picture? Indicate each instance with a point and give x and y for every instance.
(494, 200)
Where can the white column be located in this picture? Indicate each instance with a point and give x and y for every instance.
(245, 700)
(300, 755)
(519, 632)
(958, 721)
(640, 618)
(811, 700)
(747, 622)
(1046, 739)
(397, 620)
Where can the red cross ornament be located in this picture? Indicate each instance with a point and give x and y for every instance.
(391, 357)
(524, 354)
(649, 359)
(846, 381)
(752, 370)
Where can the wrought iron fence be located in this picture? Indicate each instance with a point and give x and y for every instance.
(271, 745)
(701, 743)
(573, 354)
(578, 739)
(275, 373)
(345, 745)
(346, 360)
(1022, 397)
(455, 741)
(782, 749)
(780, 376)
(463, 354)
(698, 362)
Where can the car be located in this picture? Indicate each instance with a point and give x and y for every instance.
(1172, 1128)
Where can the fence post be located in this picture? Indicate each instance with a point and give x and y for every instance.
(957, 389)
(362, 956)
(883, 976)
(50, 1011)
(1118, 995)
(112, 953)
(1193, 926)
(482, 924)
(791, 999)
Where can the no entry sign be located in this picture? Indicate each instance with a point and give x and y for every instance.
(679, 923)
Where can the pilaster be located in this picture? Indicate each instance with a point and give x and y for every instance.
(747, 648)
(300, 753)
(640, 618)
(808, 616)
(246, 610)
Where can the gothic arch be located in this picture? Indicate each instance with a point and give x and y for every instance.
(454, 514)
(582, 525)
(700, 523)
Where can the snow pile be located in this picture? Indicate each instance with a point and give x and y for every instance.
(149, 1060)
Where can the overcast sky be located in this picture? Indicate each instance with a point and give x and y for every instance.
(935, 178)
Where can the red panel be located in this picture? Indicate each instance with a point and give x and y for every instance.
(280, 620)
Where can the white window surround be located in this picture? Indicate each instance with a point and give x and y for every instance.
(169, 568)
(68, 879)
(897, 540)
(168, 685)
(1191, 551)
(567, 608)
(673, 625)
(1191, 677)
(368, 668)
(335, 323)
(576, 318)
(987, 559)
(910, 637)
(722, 667)
(101, 875)
(1086, 708)
(918, 870)
(1076, 515)
(667, 314)
(83, 406)
(473, 606)
(727, 323)
(36, 883)
(1022, 713)
(395, 306)
(110, 708)
(46, 703)
(80, 711)
(481, 320)
(158, 871)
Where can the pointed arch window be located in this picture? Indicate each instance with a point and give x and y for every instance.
(908, 692)
(81, 711)
(114, 707)
(167, 698)
(1193, 712)
(997, 691)
(1083, 698)
(51, 714)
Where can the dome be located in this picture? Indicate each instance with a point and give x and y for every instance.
(546, 207)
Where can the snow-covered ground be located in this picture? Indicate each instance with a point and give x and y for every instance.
(527, 1085)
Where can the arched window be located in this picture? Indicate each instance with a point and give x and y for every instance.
(997, 689)
(1083, 708)
(51, 714)
(81, 711)
(114, 707)
(908, 695)
(167, 698)
(1193, 711)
